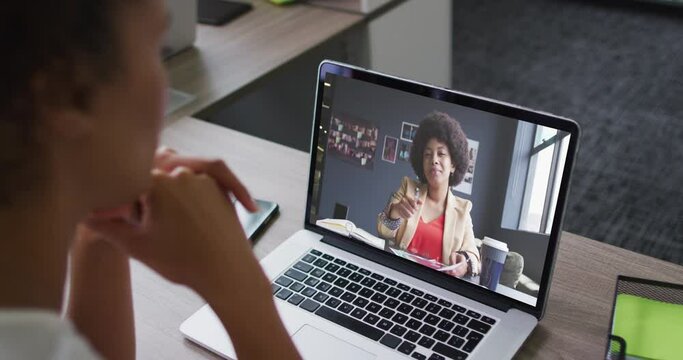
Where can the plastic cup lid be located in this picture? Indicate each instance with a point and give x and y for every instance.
(495, 243)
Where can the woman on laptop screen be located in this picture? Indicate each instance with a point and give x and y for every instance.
(423, 218)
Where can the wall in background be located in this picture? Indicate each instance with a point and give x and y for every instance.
(414, 41)
(365, 192)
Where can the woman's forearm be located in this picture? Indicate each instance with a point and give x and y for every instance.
(386, 227)
(100, 302)
(249, 315)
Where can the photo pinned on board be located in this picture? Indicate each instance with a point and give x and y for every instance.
(404, 151)
(353, 140)
(408, 131)
(390, 148)
(466, 185)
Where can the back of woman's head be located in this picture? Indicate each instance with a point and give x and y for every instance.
(54, 52)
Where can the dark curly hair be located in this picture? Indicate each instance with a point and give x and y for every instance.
(445, 129)
(54, 52)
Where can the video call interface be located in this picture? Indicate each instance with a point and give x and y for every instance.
(465, 192)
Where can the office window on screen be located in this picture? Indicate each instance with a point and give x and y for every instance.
(537, 162)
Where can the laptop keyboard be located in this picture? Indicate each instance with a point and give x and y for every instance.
(408, 320)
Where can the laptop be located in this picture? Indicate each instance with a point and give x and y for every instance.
(344, 291)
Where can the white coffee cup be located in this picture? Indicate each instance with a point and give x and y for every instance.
(493, 254)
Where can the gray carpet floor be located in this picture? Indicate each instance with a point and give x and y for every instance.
(616, 67)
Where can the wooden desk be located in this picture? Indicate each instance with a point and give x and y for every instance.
(227, 60)
(577, 318)
(576, 321)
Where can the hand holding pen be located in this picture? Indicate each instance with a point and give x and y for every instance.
(407, 207)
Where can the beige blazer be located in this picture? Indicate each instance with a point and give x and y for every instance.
(458, 234)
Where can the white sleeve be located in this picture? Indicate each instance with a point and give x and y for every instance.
(35, 334)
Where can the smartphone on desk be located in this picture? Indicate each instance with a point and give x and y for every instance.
(220, 12)
(255, 223)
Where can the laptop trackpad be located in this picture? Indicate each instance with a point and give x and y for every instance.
(316, 344)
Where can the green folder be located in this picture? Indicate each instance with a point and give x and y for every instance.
(652, 329)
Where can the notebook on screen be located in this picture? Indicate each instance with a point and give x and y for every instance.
(432, 223)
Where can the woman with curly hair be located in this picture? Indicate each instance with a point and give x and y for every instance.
(424, 217)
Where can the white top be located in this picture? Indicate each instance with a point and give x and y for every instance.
(38, 334)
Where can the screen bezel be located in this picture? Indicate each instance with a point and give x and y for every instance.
(406, 266)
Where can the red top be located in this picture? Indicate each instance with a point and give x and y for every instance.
(428, 239)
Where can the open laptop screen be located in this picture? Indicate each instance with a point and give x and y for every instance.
(464, 191)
